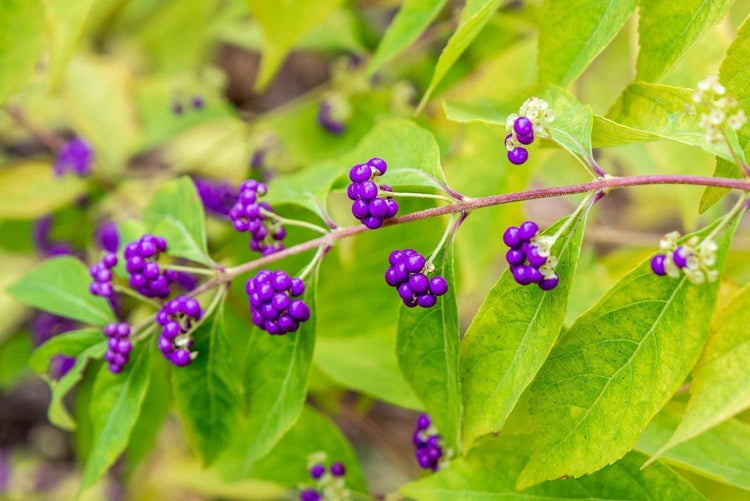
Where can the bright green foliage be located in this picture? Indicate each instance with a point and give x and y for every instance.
(412, 19)
(65, 22)
(573, 121)
(31, 190)
(427, 348)
(474, 17)
(21, 43)
(284, 23)
(206, 392)
(490, 470)
(615, 368)
(276, 380)
(115, 405)
(720, 453)
(734, 73)
(176, 213)
(667, 29)
(70, 344)
(510, 337)
(721, 380)
(606, 132)
(574, 32)
(61, 285)
(713, 194)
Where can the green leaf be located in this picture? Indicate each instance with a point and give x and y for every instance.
(412, 19)
(664, 111)
(70, 344)
(734, 73)
(474, 17)
(489, 473)
(618, 364)
(65, 23)
(283, 26)
(607, 133)
(14, 352)
(428, 354)
(22, 40)
(720, 453)
(57, 413)
(666, 30)
(721, 379)
(573, 121)
(511, 336)
(574, 32)
(482, 110)
(61, 286)
(176, 213)
(207, 393)
(713, 194)
(31, 190)
(276, 379)
(115, 405)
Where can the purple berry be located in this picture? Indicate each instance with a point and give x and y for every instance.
(317, 471)
(378, 164)
(534, 258)
(298, 287)
(523, 126)
(535, 276)
(337, 469)
(438, 286)
(280, 301)
(405, 291)
(527, 231)
(514, 257)
(114, 368)
(392, 207)
(110, 260)
(360, 209)
(123, 330)
(518, 156)
(525, 139)
(309, 495)
(281, 281)
(657, 264)
(423, 422)
(191, 308)
(396, 257)
(124, 346)
(360, 173)
(511, 237)
(271, 327)
(134, 264)
(521, 274)
(171, 330)
(180, 357)
(418, 283)
(378, 207)
(415, 263)
(549, 283)
(165, 345)
(426, 300)
(373, 223)
(680, 257)
(352, 191)
(299, 310)
(391, 278)
(368, 190)
(287, 323)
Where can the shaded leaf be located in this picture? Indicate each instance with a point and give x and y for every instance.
(734, 73)
(713, 194)
(31, 190)
(65, 23)
(22, 39)
(607, 132)
(57, 412)
(70, 344)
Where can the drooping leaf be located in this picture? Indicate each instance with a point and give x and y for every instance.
(69, 344)
(734, 73)
(31, 190)
(22, 40)
(276, 379)
(511, 336)
(664, 111)
(720, 453)
(566, 48)
(490, 470)
(428, 354)
(176, 213)
(713, 194)
(666, 30)
(610, 133)
(474, 17)
(65, 23)
(283, 25)
(618, 364)
(61, 286)
(206, 392)
(115, 405)
(412, 19)
(721, 379)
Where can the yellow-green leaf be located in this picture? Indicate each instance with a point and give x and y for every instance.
(31, 190)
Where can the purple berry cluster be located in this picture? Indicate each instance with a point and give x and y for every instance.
(367, 206)
(407, 273)
(118, 346)
(427, 444)
(75, 156)
(273, 304)
(177, 319)
(329, 484)
(101, 272)
(693, 258)
(248, 214)
(529, 262)
(523, 133)
(521, 128)
(145, 275)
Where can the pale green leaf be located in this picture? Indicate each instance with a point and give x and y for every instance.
(284, 24)
(481, 110)
(61, 286)
(70, 344)
(573, 121)
(412, 19)
(490, 470)
(511, 336)
(618, 364)
(22, 40)
(115, 405)
(720, 453)
(574, 32)
(31, 190)
(428, 353)
(713, 194)
(734, 73)
(65, 23)
(14, 352)
(207, 394)
(667, 29)
(176, 213)
(721, 379)
(609, 133)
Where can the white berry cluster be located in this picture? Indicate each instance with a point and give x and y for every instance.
(717, 109)
(695, 258)
(544, 245)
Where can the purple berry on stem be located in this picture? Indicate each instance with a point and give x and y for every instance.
(680, 256)
(438, 286)
(527, 230)
(523, 126)
(549, 283)
(657, 264)
(511, 237)
(518, 156)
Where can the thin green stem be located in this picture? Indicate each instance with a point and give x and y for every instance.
(189, 269)
(215, 301)
(313, 262)
(294, 222)
(140, 297)
(734, 153)
(587, 166)
(443, 239)
(574, 217)
(151, 326)
(740, 206)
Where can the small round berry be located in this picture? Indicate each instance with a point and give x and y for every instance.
(266, 292)
(174, 307)
(392, 207)
(415, 263)
(248, 197)
(317, 471)
(279, 234)
(106, 290)
(171, 330)
(124, 346)
(418, 283)
(391, 278)
(352, 191)
(110, 259)
(191, 307)
(161, 244)
(360, 173)
(104, 275)
(123, 330)
(378, 207)
(518, 156)
(521, 274)
(271, 327)
(426, 300)
(287, 323)
(337, 469)
(137, 280)
(396, 257)
(281, 281)
(151, 270)
(250, 184)
(373, 223)
(119, 359)
(549, 283)
(423, 459)
(523, 126)
(114, 368)
(269, 312)
(433, 452)
(535, 276)
(360, 209)
(423, 422)
(657, 264)
(378, 164)
(438, 286)
(299, 310)
(309, 495)
(527, 230)
(110, 330)
(405, 291)
(165, 345)
(197, 102)
(134, 264)
(680, 256)
(112, 344)
(180, 357)
(534, 258)
(147, 249)
(239, 225)
(130, 250)
(368, 190)
(280, 301)
(514, 257)
(525, 139)
(402, 274)
(511, 237)
(298, 287)
(410, 303)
